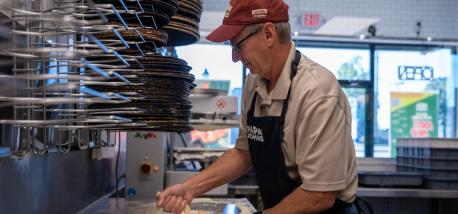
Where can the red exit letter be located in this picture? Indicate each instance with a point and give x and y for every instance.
(311, 19)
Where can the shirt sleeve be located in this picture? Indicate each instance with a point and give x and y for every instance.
(322, 138)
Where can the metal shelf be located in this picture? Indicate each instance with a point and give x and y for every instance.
(406, 193)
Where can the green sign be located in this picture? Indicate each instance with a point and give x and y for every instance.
(412, 115)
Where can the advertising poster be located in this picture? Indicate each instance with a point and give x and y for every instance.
(412, 115)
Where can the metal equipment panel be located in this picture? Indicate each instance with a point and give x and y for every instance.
(146, 153)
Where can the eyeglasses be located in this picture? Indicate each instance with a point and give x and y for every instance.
(237, 46)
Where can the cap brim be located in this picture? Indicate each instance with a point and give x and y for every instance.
(224, 33)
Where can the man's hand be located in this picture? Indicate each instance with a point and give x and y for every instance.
(174, 198)
(231, 165)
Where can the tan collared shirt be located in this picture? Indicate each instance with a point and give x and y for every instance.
(317, 141)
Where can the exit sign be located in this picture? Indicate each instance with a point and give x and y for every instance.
(311, 20)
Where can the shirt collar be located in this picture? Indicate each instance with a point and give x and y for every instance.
(280, 91)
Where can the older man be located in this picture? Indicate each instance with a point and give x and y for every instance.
(295, 128)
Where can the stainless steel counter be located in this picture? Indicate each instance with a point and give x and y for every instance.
(406, 193)
(370, 192)
(210, 205)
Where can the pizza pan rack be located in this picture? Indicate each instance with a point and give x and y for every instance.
(73, 69)
(50, 60)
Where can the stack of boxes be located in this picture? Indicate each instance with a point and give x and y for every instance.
(436, 158)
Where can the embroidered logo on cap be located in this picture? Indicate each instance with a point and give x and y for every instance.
(228, 11)
(259, 13)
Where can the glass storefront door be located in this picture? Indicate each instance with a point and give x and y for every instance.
(413, 96)
(351, 68)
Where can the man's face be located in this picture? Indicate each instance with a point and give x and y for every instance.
(247, 47)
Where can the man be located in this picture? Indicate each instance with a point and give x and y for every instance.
(295, 127)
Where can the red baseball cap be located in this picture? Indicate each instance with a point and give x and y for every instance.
(241, 13)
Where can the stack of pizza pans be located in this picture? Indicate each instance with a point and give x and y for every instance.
(152, 13)
(183, 28)
(148, 36)
(163, 82)
(166, 85)
(157, 13)
(142, 25)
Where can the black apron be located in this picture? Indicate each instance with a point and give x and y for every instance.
(265, 137)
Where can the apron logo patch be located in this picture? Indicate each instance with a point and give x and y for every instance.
(255, 133)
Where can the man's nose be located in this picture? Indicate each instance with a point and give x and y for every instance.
(235, 56)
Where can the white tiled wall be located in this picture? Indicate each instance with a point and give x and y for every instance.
(397, 17)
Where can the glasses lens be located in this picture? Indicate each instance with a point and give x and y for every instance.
(236, 46)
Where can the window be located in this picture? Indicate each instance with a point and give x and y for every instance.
(357, 97)
(376, 79)
(345, 64)
(214, 63)
(212, 67)
(414, 96)
(351, 68)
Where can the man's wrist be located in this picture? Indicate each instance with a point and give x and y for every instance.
(190, 188)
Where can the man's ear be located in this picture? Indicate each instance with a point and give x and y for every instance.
(270, 33)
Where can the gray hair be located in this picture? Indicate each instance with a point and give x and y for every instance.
(283, 29)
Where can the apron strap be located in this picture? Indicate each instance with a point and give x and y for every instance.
(294, 66)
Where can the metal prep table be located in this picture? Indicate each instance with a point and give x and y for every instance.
(392, 200)
(210, 205)
(415, 201)
(407, 193)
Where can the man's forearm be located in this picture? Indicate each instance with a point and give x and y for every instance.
(302, 201)
(231, 165)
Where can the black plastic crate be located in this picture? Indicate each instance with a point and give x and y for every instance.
(438, 183)
(434, 148)
(433, 163)
(439, 173)
(404, 160)
(407, 168)
(433, 153)
(451, 154)
(430, 172)
(390, 179)
(437, 163)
